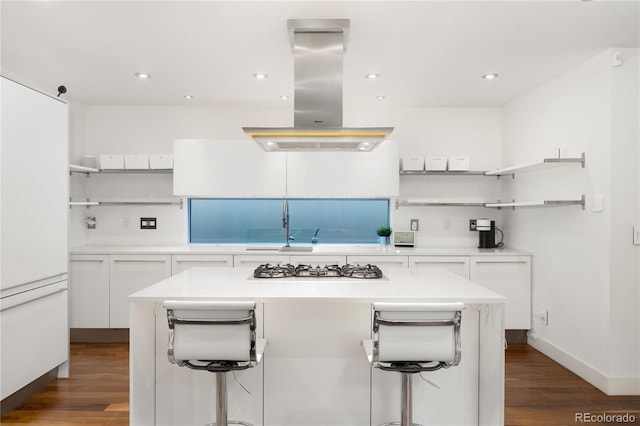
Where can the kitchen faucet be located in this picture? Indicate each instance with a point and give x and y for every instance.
(285, 223)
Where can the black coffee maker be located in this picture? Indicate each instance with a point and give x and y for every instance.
(487, 230)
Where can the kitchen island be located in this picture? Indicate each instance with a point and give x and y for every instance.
(314, 370)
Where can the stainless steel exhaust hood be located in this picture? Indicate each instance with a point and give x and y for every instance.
(318, 48)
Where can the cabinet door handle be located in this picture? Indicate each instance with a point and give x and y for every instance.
(500, 261)
(202, 261)
(88, 260)
(418, 262)
(139, 260)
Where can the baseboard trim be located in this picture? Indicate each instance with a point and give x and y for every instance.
(99, 335)
(21, 396)
(610, 385)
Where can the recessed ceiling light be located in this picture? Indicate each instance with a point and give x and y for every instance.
(284, 97)
(380, 97)
(188, 97)
(372, 76)
(260, 76)
(490, 76)
(143, 75)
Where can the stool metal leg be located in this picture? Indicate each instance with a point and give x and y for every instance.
(406, 414)
(221, 399)
(221, 404)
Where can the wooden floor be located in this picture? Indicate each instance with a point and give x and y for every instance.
(538, 392)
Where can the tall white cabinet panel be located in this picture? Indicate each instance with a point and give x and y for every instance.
(511, 277)
(182, 262)
(457, 264)
(344, 174)
(227, 168)
(131, 273)
(89, 291)
(34, 185)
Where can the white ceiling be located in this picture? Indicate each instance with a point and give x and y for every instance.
(429, 53)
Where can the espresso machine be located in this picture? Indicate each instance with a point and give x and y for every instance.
(487, 234)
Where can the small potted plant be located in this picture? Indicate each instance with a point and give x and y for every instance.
(383, 232)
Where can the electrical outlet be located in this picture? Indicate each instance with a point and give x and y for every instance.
(543, 316)
(472, 224)
(91, 222)
(414, 225)
(148, 223)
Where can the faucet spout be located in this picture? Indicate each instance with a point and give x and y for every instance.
(285, 222)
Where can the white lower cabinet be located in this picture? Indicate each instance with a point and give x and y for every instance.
(131, 273)
(182, 262)
(382, 262)
(89, 291)
(253, 260)
(511, 277)
(457, 264)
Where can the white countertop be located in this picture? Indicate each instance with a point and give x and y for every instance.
(399, 285)
(320, 249)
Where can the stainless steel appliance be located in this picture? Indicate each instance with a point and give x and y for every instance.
(487, 234)
(367, 271)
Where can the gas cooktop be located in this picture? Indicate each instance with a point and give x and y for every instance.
(326, 271)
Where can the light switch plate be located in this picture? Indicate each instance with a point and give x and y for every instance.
(414, 225)
(636, 235)
(598, 203)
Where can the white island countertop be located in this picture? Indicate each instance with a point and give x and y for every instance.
(429, 285)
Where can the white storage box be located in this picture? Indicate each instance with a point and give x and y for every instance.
(136, 162)
(110, 162)
(435, 164)
(413, 164)
(459, 164)
(161, 161)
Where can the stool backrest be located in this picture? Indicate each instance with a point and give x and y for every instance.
(417, 332)
(211, 331)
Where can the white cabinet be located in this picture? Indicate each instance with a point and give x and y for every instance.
(344, 174)
(89, 291)
(457, 264)
(253, 260)
(511, 277)
(239, 168)
(182, 262)
(383, 262)
(131, 273)
(318, 259)
(227, 168)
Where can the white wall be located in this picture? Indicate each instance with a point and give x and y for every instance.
(585, 270)
(473, 132)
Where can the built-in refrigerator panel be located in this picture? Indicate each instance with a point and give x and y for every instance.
(33, 237)
(34, 185)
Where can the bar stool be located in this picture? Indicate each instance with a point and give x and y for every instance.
(217, 337)
(411, 338)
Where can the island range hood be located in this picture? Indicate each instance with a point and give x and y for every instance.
(318, 48)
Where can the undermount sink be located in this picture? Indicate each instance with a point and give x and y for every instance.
(263, 248)
(296, 248)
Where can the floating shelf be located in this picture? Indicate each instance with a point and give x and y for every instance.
(74, 168)
(545, 163)
(418, 203)
(580, 202)
(89, 203)
(442, 173)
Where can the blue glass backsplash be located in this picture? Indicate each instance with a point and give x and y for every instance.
(251, 221)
